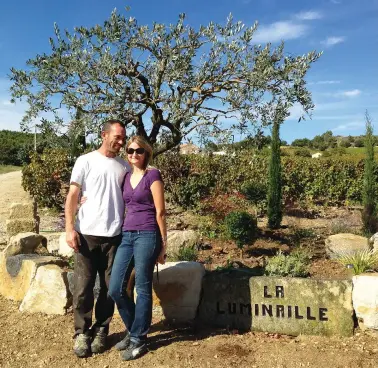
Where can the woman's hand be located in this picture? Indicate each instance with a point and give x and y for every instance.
(162, 256)
(83, 200)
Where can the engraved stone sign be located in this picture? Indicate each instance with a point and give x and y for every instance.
(226, 299)
(296, 306)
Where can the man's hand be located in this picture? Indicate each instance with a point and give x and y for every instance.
(73, 240)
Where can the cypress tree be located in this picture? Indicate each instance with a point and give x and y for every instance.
(369, 214)
(275, 184)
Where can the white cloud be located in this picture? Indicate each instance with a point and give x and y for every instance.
(327, 82)
(354, 125)
(332, 41)
(352, 93)
(336, 2)
(275, 32)
(309, 15)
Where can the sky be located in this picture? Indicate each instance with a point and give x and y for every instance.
(343, 82)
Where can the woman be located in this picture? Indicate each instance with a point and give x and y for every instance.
(144, 242)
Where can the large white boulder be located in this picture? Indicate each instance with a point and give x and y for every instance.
(345, 244)
(56, 244)
(48, 292)
(18, 272)
(365, 300)
(178, 290)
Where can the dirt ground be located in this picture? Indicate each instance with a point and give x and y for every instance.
(46, 341)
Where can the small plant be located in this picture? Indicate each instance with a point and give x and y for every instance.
(71, 262)
(343, 226)
(362, 261)
(242, 228)
(300, 233)
(189, 254)
(292, 265)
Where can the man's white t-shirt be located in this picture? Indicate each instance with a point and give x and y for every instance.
(101, 179)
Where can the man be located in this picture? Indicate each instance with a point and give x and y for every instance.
(95, 235)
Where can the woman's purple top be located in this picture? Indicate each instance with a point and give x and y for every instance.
(139, 203)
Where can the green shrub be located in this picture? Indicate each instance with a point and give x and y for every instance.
(241, 227)
(292, 265)
(255, 192)
(337, 180)
(302, 152)
(189, 254)
(47, 176)
(362, 261)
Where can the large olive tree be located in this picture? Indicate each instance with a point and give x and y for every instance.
(164, 82)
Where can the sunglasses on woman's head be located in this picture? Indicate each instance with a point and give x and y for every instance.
(139, 151)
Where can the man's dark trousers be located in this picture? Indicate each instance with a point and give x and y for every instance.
(96, 255)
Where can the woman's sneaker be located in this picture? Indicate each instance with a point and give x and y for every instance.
(82, 347)
(134, 350)
(124, 343)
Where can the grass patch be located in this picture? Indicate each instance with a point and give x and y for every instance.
(8, 168)
(362, 261)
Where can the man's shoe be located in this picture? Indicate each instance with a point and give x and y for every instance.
(134, 350)
(82, 346)
(124, 343)
(98, 345)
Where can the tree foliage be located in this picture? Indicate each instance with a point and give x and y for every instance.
(369, 215)
(15, 147)
(164, 82)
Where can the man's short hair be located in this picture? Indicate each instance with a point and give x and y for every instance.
(109, 123)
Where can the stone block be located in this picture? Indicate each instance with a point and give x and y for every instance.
(178, 290)
(226, 299)
(21, 211)
(24, 243)
(17, 273)
(16, 226)
(295, 306)
(48, 292)
(56, 243)
(345, 244)
(365, 300)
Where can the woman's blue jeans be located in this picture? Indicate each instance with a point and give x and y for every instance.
(139, 250)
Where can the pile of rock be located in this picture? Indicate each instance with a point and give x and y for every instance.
(22, 218)
(34, 272)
